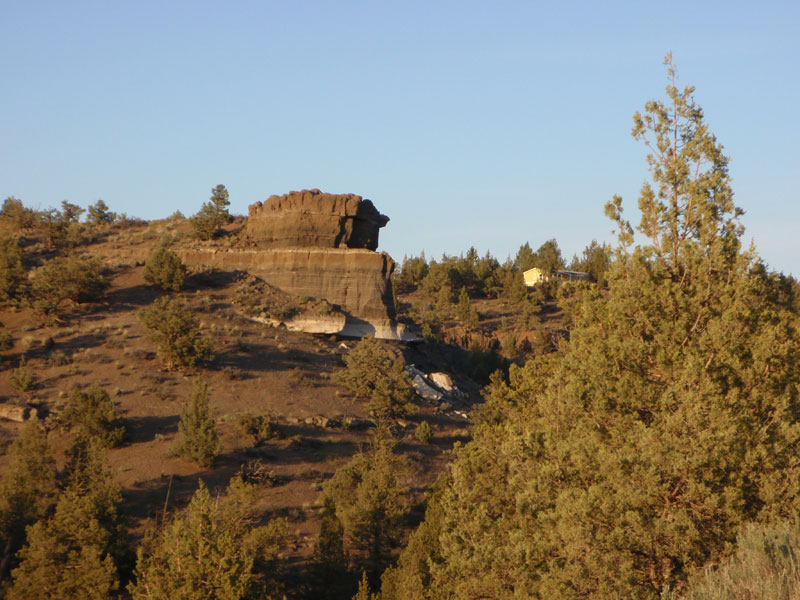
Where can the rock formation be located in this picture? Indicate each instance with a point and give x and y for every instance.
(314, 219)
(320, 245)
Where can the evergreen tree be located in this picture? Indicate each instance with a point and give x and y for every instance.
(12, 273)
(374, 374)
(92, 414)
(525, 259)
(212, 215)
(27, 489)
(164, 269)
(175, 329)
(213, 549)
(669, 419)
(72, 554)
(370, 502)
(548, 257)
(331, 563)
(99, 214)
(198, 440)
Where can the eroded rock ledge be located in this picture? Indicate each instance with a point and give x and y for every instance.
(322, 246)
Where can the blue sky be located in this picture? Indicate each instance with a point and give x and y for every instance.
(483, 124)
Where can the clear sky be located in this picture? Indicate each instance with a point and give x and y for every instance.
(483, 124)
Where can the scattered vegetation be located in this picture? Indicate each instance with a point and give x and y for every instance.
(67, 278)
(176, 331)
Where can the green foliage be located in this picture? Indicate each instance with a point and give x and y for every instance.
(213, 214)
(259, 427)
(374, 374)
(164, 269)
(363, 592)
(18, 214)
(92, 414)
(370, 502)
(21, 379)
(213, 549)
(99, 214)
(331, 562)
(197, 439)
(174, 328)
(467, 313)
(67, 278)
(766, 564)
(12, 273)
(62, 228)
(423, 433)
(595, 260)
(27, 489)
(631, 458)
(412, 272)
(72, 554)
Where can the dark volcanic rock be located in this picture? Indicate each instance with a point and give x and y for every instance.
(311, 218)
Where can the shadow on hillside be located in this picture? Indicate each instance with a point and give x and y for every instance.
(148, 498)
(246, 356)
(131, 298)
(145, 429)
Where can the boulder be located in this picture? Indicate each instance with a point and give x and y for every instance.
(425, 390)
(13, 412)
(443, 381)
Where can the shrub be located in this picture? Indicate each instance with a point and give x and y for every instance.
(259, 427)
(375, 375)
(67, 278)
(766, 564)
(197, 431)
(423, 433)
(164, 269)
(92, 413)
(175, 329)
(21, 379)
(98, 214)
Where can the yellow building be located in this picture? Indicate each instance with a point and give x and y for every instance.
(536, 275)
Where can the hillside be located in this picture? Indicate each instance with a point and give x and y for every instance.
(258, 369)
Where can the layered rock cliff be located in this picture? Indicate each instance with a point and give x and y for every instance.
(320, 245)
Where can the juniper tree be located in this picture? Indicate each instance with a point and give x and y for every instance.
(633, 457)
(27, 489)
(164, 269)
(77, 552)
(198, 440)
(369, 499)
(374, 374)
(212, 549)
(174, 328)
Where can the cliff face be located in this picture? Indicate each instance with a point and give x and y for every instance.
(314, 219)
(320, 245)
